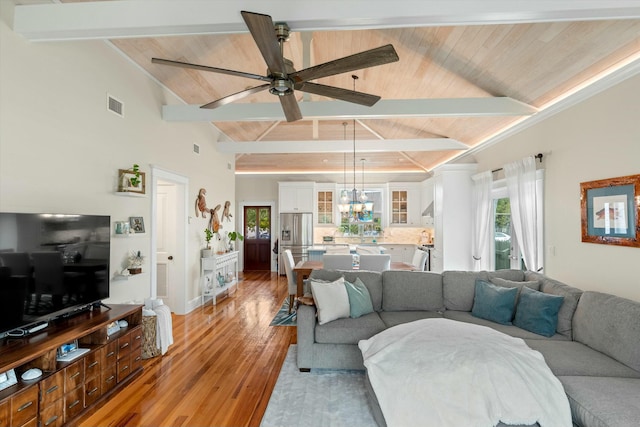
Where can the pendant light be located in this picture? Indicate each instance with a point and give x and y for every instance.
(357, 207)
(343, 206)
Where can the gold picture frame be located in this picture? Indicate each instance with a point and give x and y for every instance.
(127, 178)
(610, 211)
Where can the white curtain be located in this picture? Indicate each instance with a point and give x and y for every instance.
(482, 205)
(521, 186)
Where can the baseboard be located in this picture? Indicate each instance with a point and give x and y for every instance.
(193, 304)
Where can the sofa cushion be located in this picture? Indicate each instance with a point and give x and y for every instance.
(609, 324)
(571, 296)
(534, 284)
(495, 303)
(537, 312)
(576, 359)
(332, 300)
(393, 318)
(508, 274)
(603, 401)
(458, 288)
(371, 279)
(514, 331)
(411, 290)
(359, 298)
(350, 331)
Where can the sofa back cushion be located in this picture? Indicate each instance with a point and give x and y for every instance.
(411, 290)
(571, 297)
(609, 324)
(371, 279)
(459, 287)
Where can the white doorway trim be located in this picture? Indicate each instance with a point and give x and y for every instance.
(275, 218)
(158, 173)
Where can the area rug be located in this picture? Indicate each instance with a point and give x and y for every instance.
(320, 398)
(283, 317)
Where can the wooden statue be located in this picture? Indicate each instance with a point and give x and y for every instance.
(214, 222)
(225, 213)
(201, 203)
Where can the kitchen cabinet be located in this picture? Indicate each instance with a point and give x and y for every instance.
(296, 196)
(400, 252)
(326, 204)
(404, 204)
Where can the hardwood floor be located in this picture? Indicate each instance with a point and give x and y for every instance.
(221, 369)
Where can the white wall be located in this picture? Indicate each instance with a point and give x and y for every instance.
(60, 149)
(594, 140)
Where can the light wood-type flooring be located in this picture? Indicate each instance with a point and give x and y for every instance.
(221, 369)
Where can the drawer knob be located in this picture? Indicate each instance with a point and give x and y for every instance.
(52, 389)
(25, 406)
(51, 420)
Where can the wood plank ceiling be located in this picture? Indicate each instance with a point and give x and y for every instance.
(534, 63)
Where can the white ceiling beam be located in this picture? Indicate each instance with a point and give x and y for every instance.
(341, 146)
(120, 19)
(335, 110)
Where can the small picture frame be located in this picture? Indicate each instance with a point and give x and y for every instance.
(611, 211)
(137, 224)
(131, 181)
(67, 348)
(121, 227)
(7, 379)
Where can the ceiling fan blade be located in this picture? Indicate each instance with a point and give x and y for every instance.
(339, 93)
(236, 96)
(206, 68)
(291, 108)
(369, 58)
(263, 31)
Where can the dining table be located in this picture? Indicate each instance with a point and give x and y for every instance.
(304, 268)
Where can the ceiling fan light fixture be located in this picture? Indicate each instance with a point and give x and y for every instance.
(281, 87)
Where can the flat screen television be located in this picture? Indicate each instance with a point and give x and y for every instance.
(51, 265)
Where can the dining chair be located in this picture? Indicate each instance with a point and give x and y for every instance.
(375, 262)
(368, 249)
(19, 266)
(337, 249)
(420, 259)
(337, 262)
(292, 285)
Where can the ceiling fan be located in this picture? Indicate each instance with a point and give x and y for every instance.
(282, 79)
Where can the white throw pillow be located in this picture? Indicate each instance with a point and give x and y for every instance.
(332, 300)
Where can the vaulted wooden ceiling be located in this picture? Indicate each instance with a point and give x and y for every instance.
(467, 71)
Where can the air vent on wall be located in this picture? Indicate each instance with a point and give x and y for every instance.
(196, 148)
(115, 106)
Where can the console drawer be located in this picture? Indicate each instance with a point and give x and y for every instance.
(51, 389)
(136, 337)
(4, 412)
(92, 390)
(124, 347)
(110, 354)
(124, 368)
(73, 375)
(109, 378)
(73, 403)
(24, 406)
(53, 415)
(92, 364)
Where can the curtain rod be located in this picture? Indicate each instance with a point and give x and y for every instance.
(538, 156)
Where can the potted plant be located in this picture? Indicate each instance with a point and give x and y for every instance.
(233, 236)
(135, 180)
(208, 235)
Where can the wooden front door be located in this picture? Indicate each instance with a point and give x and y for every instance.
(257, 238)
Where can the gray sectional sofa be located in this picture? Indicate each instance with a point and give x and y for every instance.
(595, 351)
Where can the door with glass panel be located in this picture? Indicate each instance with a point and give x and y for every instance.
(257, 238)
(506, 251)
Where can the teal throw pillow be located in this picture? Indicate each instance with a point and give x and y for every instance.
(359, 298)
(537, 312)
(494, 303)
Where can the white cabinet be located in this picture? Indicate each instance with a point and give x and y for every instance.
(404, 204)
(452, 191)
(325, 204)
(399, 252)
(296, 196)
(219, 274)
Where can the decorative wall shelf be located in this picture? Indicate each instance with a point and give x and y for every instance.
(129, 194)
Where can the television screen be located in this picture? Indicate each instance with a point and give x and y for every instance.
(51, 265)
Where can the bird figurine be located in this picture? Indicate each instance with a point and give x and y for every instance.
(214, 222)
(225, 213)
(201, 203)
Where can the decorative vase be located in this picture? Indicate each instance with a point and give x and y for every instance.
(206, 253)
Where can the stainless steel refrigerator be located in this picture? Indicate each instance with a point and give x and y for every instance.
(296, 234)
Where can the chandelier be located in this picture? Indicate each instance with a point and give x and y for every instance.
(353, 203)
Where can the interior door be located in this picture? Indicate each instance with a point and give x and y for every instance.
(257, 238)
(166, 242)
